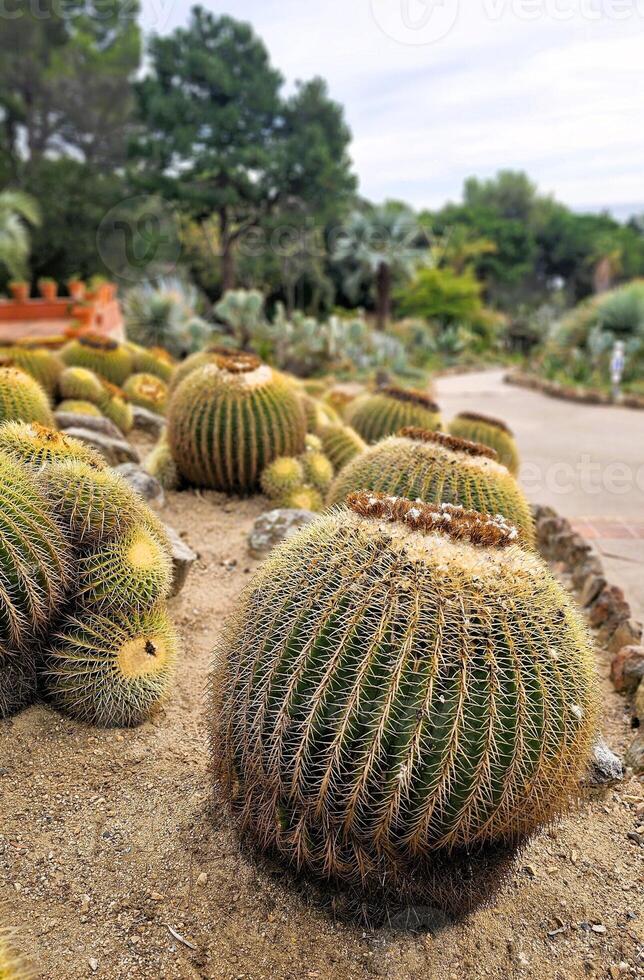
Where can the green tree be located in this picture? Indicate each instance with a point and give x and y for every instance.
(66, 72)
(219, 137)
(17, 212)
(443, 295)
(381, 246)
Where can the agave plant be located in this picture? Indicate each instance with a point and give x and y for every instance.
(163, 314)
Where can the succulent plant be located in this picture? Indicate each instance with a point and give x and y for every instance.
(38, 362)
(193, 361)
(160, 464)
(78, 407)
(81, 383)
(132, 571)
(228, 421)
(115, 406)
(112, 670)
(339, 400)
(95, 506)
(402, 691)
(318, 470)
(36, 445)
(148, 391)
(281, 476)
(35, 558)
(22, 398)
(17, 687)
(313, 442)
(317, 414)
(304, 497)
(491, 432)
(341, 443)
(153, 360)
(436, 468)
(389, 409)
(102, 355)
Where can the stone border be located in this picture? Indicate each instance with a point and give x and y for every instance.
(588, 396)
(606, 609)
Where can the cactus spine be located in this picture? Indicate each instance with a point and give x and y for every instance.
(160, 464)
(390, 409)
(437, 468)
(102, 355)
(401, 684)
(41, 364)
(112, 670)
(153, 360)
(318, 471)
(22, 398)
(131, 573)
(280, 477)
(95, 506)
(341, 443)
(17, 684)
(489, 431)
(82, 384)
(227, 422)
(115, 406)
(78, 407)
(37, 445)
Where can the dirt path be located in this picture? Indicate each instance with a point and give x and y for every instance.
(107, 842)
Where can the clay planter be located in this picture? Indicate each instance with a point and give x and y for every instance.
(19, 291)
(48, 289)
(84, 315)
(76, 289)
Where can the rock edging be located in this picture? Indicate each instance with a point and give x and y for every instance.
(588, 396)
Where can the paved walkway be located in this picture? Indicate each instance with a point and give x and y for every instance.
(587, 461)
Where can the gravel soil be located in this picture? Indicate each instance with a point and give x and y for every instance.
(115, 861)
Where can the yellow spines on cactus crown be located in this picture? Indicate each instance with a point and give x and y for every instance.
(389, 409)
(281, 476)
(398, 685)
(491, 432)
(148, 391)
(22, 398)
(318, 470)
(112, 670)
(437, 468)
(37, 445)
(228, 421)
(81, 383)
(341, 443)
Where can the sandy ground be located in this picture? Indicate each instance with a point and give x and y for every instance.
(115, 864)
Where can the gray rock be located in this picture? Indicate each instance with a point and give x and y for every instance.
(114, 451)
(144, 484)
(605, 768)
(274, 527)
(183, 558)
(590, 590)
(148, 421)
(95, 423)
(635, 754)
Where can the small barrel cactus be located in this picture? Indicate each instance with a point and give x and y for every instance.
(304, 497)
(133, 571)
(341, 443)
(112, 670)
(22, 398)
(94, 506)
(389, 409)
(116, 406)
(35, 558)
(36, 445)
(102, 355)
(153, 360)
(437, 468)
(318, 470)
(317, 414)
(160, 464)
(41, 364)
(401, 691)
(81, 383)
(284, 474)
(78, 407)
(491, 432)
(228, 421)
(313, 442)
(148, 391)
(197, 360)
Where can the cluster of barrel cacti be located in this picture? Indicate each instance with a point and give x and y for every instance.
(85, 569)
(299, 482)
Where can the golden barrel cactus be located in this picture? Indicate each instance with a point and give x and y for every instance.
(80, 383)
(401, 690)
(102, 355)
(227, 421)
(22, 398)
(148, 391)
(491, 432)
(389, 409)
(437, 468)
(341, 443)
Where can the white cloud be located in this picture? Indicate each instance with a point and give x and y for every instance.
(551, 86)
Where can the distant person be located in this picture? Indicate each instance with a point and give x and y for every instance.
(617, 363)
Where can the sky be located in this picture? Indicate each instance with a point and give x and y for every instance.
(437, 90)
